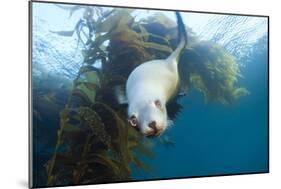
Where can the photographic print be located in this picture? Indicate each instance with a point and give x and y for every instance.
(121, 94)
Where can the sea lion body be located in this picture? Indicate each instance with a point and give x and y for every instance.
(149, 87)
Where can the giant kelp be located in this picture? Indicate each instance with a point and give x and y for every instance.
(95, 144)
(212, 71)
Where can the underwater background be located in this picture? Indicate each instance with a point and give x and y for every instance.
(212, 133)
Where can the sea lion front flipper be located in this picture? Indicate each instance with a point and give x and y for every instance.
(119, 92)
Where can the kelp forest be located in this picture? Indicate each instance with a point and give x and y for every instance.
(94, 142)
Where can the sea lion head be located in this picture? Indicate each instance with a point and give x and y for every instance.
(150, 117)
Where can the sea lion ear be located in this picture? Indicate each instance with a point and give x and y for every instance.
(133, 121)
(158, 103)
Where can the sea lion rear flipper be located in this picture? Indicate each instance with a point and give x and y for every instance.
(119, 92)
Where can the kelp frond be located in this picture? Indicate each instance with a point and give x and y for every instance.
(214, 72)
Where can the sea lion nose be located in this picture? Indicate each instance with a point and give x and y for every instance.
(153, 126)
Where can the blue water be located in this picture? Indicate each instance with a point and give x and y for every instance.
(210, 138)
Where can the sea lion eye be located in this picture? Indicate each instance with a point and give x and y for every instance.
(133, 121)
(157, 103)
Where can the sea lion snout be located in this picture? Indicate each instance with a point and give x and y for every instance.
(153, 126)
(154, 129)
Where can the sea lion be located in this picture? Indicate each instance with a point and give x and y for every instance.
(151, 85)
